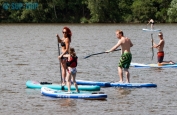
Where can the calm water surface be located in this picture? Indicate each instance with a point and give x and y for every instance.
(29, 52)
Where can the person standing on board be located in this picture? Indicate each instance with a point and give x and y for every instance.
(151, 21)
(65, 45)
(126, 55)
(160, 53)
(71, 68)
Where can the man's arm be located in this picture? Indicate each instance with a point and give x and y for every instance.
(158, 45)
(115, 47)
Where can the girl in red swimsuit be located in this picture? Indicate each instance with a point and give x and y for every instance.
(71, 69)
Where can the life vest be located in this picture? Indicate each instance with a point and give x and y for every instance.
(72, 62)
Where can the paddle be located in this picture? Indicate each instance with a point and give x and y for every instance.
(62, 88)
(98, 53)
(152, 47)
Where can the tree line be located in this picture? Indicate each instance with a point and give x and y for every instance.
(88, 11)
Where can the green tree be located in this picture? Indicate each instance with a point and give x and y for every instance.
(172, 11)
(97, 8)
(143, 10)
(162, 7)
(91, 11)
(125, 10)
(109, 10)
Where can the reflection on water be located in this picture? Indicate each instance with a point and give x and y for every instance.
(124, 91)
(66, 102)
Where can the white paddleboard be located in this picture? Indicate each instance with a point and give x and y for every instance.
(153, 65)
(151, 30)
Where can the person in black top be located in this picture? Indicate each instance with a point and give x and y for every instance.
(65, 43)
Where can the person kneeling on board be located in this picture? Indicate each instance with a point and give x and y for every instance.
(160, 53)
(126, 56)
(71, 68)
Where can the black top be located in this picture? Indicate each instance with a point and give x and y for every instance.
(63, 44)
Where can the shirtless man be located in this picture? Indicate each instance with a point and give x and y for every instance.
(126, 56)
(151, 21)
(160, 53)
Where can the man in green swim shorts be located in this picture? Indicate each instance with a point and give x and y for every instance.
(126, 56)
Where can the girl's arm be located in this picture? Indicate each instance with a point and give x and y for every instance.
(65, 55)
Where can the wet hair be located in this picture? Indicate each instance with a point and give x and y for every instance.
(72, 52)
(120, 32)
(68, 32)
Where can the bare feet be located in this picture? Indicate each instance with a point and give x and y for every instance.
(63, 84)
(159, 64)
(171, 62)
(68, 92)
(120, 82)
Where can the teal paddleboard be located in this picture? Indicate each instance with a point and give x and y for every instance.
(38, 85)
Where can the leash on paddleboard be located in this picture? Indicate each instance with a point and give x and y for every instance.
(62, 87)
(152, 47)
(98, 53)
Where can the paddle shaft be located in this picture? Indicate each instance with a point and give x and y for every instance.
(98, 53)
(60, 63)
(152, 47)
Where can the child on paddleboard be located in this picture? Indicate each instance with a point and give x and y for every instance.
(71, 68)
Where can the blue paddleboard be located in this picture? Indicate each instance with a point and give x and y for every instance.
(99, 83)
(38, 85)
(133, 85)
(109, 84)
(81, 95)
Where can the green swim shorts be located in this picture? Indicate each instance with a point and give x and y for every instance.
(125, 60)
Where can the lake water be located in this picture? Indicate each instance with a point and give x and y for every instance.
(30, 51)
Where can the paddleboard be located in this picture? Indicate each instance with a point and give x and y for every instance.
(151, 30)
(81, 95)
(38, 85)
(109, 84)
(99, 83)
(133, 85)
(153, 65)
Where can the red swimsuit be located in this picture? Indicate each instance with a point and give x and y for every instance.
(160, 56)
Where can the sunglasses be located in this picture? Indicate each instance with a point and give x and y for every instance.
(64, 32)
